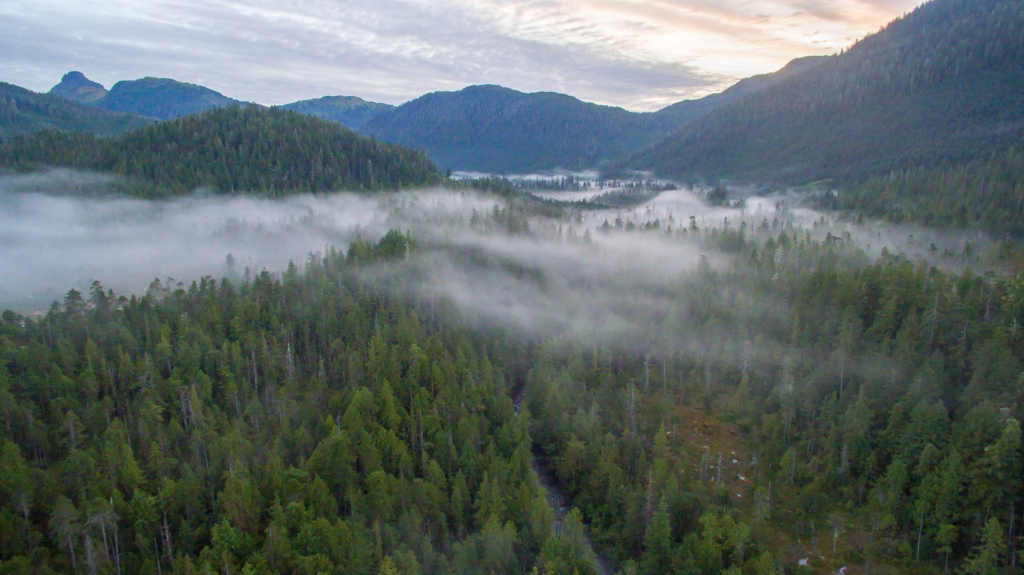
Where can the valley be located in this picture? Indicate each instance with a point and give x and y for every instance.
(777, 329)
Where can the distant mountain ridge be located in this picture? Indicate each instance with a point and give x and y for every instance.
(162, 98)
(349, 111)
(159, 98)
(75, 86)
(689, 110)
(482, 128)
(500, 130)
(23, 111)
(943, 84)
(497, 129)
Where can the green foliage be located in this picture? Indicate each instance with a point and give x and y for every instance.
(309, 424)
(498, 130)
(23, 112)
(987, 556)
(349, 111)
(883, 414)
(945, 83)
(986, 194)
(161, 98)
(231, 149)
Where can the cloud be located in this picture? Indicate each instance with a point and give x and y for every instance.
(637, 54)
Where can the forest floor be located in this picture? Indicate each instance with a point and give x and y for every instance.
(715, 451)
(700, 438)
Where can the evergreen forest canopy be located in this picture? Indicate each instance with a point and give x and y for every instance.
(502, 384)
(230, 149)
(986, 194)
(243, 429)
(498, 130)
(941, 86)
(796, 400)
(23, 112)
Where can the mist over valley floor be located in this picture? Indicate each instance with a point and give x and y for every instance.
(773, 330)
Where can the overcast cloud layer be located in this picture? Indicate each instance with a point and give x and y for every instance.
(640, 54)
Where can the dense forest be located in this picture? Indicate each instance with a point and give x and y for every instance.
(230, 149)
(316, 423)
(944, 83)
(499, 130)
(986, 194)
(349, 111)
(727, 387)
(23, 112)
(803, 403)
(161, 98)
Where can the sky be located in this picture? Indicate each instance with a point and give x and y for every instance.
(638, 54)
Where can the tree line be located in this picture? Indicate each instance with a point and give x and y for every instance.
(986, 194)
(230, 150)
(312, 423)
(874, 410)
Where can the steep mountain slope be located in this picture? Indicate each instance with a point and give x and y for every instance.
(75, 86)
(349, 111)
(162, 98)
(485, 128)
(23, 111)
(684, 112)
(942, 84)
(496, 129)
(247, 148)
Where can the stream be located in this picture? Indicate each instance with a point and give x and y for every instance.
(556, 499)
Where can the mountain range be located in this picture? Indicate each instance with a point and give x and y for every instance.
(499, 130)
(23, 111)
(942, 85)
(482, 128)
(159, 98)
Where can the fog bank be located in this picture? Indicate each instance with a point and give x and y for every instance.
(590, 274)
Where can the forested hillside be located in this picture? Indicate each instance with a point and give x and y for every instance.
(349, 111)
(682, 113)
(23, 112)
(230, 149)
(75, 86)
(987, 194)
(799, 404)
(162, 98)
(312, 424)
(943, 84)
(498, 130)
(495, 129)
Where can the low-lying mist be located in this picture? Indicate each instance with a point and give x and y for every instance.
(49, 243)
(603, 276)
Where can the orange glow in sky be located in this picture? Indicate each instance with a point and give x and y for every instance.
(639, 54)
